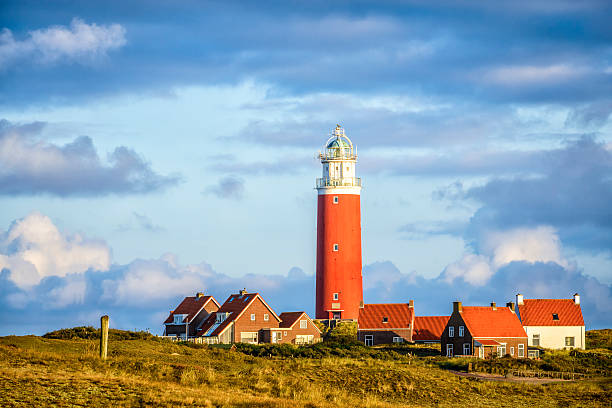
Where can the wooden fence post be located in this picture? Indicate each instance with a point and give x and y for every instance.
(103, 337)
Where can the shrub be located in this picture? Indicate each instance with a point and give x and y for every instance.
(89, 333)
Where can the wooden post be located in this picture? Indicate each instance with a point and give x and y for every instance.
(103, 337)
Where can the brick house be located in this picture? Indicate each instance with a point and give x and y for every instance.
(428, 329)
(186, 319)
(552, 323)
(244, 317)
(483, 331)
(298, 328)
(385, 323)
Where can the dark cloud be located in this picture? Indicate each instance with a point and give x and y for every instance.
(140, 222)
(572, 195)
(30, 165)
(229, 187)
(460, 51)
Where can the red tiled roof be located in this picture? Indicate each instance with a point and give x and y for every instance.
(429, 327)
(234, 305)
(486, 342)
(190, 306)
(399, 316)
(539, 312)
(483, 321)
(288, 319)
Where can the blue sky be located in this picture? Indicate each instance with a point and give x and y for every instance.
(149, 150)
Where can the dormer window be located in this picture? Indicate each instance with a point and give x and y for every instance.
(335, 247)
(220, 318)
(385, 320)
(555, 316)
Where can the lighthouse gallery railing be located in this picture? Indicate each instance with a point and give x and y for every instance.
(339, 182)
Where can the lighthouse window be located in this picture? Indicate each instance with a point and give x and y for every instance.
(335, 199)
(336, 247)
(335, 296)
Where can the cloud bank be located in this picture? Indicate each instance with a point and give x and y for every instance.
(30, 165)
(75, 283)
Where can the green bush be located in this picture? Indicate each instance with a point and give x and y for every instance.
(89, 333)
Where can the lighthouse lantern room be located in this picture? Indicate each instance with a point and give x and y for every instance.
(339, 284)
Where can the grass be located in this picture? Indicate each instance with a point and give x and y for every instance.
(38, 371)
(599, 339)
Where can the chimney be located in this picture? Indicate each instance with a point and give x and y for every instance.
(457, 307)
(243, 292)
(519, 299)
(199, 295)
(361, 304)
(493, 306)
(411, 303)
(576, 298)
(510, 305)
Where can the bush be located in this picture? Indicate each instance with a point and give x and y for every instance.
(90, 333)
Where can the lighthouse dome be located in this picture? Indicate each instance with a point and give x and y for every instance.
(339, 145)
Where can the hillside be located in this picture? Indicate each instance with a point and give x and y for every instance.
(41, 371)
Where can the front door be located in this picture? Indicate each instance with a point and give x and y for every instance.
(336, 315)
(273, 337)
(369, 340)
(449, 350)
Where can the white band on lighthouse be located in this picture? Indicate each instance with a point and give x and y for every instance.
(339, 190)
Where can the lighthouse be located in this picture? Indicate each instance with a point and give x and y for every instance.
(339, 284)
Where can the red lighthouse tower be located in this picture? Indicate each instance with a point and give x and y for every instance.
(339, 286)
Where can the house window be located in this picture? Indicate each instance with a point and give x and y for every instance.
(398, 339)
(253, 317)
(178, 319)
(284, 333)
(369, 340)
(512, 351)
(335, 247)
(535, 340)
(555, 316)
(521, 350)
(449, 350)
(460, 331)
(303, 324)
(248, 337)
(451, 331)
(266, 317)
(279, 337)
(335, 296)
(531, 353)
(335, 199)
(501, 350)
(385, 320)
(569, 342)
(466, 349)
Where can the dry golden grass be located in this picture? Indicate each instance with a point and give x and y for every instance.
(44, 372)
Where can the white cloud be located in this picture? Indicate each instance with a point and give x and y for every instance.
(33, 248)
(473, 269)
(81, 42)
(529, 74)
(499, 248)
(540, 244)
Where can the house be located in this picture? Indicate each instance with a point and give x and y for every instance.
(186, 319)
(385, 323)
(294, 328)
(483, 331)
(243, 318)
(552, 323)
(428, 329)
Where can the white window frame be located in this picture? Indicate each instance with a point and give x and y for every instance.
(521, 350)
(253, 337)
(398, 339)
(535, 337)
(335, 296)
(573, 341)
(336, 200)
(266, 317)
(449, 350)
(336, 247)
(252, 317)
(501, 350)
(303, 324)
(512, 351)
(467, 349)
(481, 351)
(368, 340)
(451, 331)
(461, 329)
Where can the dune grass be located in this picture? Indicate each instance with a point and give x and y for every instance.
(36, 371)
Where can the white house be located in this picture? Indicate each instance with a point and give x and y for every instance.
(552, 323)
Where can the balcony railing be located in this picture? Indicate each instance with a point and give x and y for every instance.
(339, 182)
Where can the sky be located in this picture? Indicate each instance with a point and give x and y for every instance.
(150, 150)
